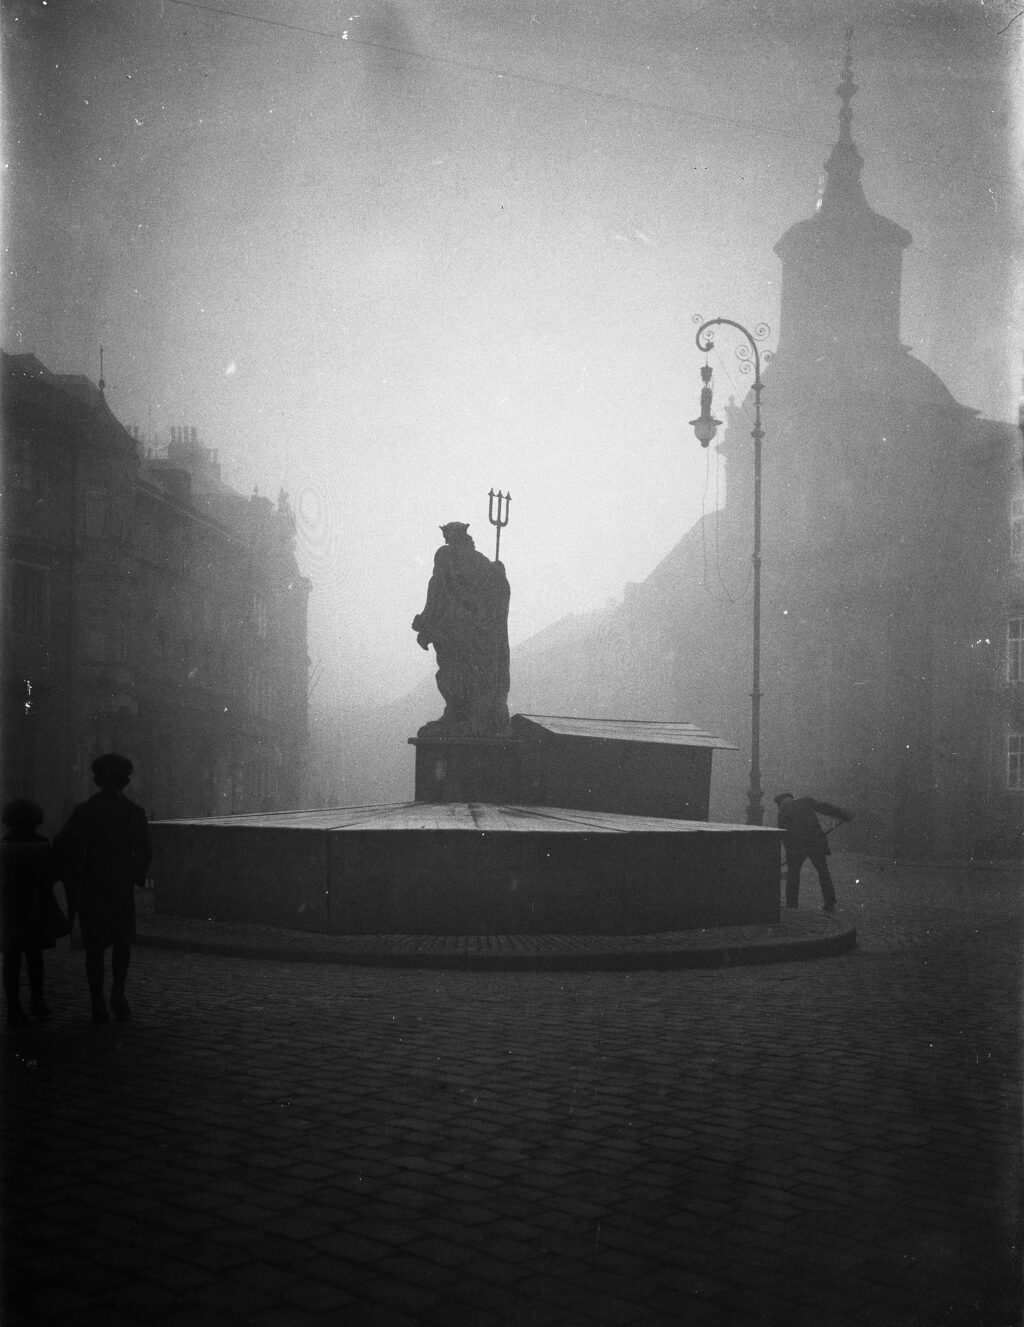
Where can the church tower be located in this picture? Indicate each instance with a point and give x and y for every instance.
(892, 615)
(841, 268)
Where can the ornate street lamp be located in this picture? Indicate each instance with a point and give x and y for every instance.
(705, 426)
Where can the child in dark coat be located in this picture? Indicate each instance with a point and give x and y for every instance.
(30, 917)
(104, 853)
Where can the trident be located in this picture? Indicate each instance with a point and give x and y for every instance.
(495, 516)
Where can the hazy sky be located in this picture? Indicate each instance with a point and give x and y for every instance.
(389, 255)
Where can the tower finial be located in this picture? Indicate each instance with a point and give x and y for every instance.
(847, 89)
(102, 384)
(841, 193)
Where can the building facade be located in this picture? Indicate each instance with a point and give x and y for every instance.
(148, 608)
(893, 572)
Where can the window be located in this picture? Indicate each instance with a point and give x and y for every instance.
(1015, 649)
(147, 539)
(259, 612)
(95, 511)
(27, 607)
(1015, 762)
(28, 698)
(23, 472)
(1017, 530)
(96, 642)
(172, 549)
(106, 637)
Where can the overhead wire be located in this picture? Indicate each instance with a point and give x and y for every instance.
(741, 409)
(703, 524)
(748, 126)
(710, 590)
(611, 97)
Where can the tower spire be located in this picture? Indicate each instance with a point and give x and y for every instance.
(847, 90)
(842, 193)
(841, 268)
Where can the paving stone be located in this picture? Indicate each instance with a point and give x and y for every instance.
(369, 1314)
(568, 1288)
(230, 1298)
(688, 1283)
(189, 1223)
(154, 1239)
(483, 1296)
(283, 1315)
(402, 1198)
(92, 1277)
(795, 1137)
(441, 1252)
(181, 1275)
(400, 1296)
(293, 1226)
(234, 1236)
(319, 1267)
(499, 1271)
(317, 1297)
(677, 1309)
(351, 1248)
(261, 1276)
(467, 1214)
(416, 1271)
(216, 1257)
(145, 1299)
(468, 1315)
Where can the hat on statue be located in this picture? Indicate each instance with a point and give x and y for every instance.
(455, 529)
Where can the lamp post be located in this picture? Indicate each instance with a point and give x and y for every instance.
(705, 426)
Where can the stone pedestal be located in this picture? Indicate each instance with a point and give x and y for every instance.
(467, 868)
(624, 766)
(475, 769)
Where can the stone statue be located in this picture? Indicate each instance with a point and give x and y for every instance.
(465, 618)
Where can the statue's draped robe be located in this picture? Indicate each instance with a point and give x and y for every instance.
(465, 618)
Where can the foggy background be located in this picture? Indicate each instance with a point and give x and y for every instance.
(387, 256)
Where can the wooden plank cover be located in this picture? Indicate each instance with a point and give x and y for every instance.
(668, 732)
(472, 817)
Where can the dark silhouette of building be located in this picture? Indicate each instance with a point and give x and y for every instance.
(148, 608)
(893, 623)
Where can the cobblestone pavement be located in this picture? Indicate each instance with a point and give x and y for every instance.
(806, 1144)
(799, 933)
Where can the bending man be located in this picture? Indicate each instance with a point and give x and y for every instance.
(803, 838)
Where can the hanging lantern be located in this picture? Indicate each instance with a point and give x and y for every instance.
(705, 426)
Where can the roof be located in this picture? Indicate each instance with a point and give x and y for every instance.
(864, 224)
(464, 816)
(662, 732)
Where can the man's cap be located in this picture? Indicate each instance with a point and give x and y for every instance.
(112, 768)
(782, 797)
(455, 527)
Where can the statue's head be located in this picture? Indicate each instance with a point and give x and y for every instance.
(457, 532)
